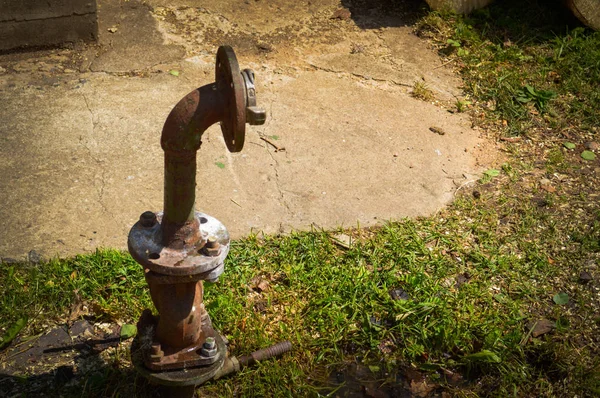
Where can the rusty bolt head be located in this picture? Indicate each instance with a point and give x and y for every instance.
(155, 358)
(156, 354)
(212, 247)
(213, 252)
(212, 242)
(148, 219)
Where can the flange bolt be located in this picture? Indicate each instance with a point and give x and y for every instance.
(156, 353)
(148, 219)
(212, 247)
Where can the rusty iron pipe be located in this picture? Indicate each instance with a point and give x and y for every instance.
(181, 139)
(181, 312)
(181, 247)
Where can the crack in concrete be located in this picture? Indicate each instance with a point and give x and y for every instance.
(100, 191)
(276, 165)
(359, 75)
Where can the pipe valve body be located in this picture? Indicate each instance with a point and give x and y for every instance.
(179, 248)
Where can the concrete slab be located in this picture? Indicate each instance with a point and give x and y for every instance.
(80, 157)
(129, 39)
(29, 23)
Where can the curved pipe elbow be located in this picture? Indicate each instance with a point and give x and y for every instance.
(197, 111)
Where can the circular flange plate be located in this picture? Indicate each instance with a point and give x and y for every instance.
(184, 377)
(231, 86)
(146, 247)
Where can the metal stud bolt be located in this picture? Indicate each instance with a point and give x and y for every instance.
(148, 219)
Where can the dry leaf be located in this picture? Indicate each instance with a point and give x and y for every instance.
(548, 188)
(259, 284)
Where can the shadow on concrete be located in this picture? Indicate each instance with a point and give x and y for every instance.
(374, 14)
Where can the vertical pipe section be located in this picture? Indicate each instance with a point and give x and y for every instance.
(180, 186)
(180, 308)
(181, 139)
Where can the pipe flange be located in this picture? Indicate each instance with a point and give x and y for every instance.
(231, 84)
(146, 246)
(183, 377)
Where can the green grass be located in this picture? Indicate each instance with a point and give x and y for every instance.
(335, 304)
(475, 276)
(108, 280)
(524, 63)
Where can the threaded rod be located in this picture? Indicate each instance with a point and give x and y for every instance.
(266, 353)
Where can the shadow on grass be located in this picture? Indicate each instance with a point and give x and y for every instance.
(512, 19)
(104, 381)
(76, 361)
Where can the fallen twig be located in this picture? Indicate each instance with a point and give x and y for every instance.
(510, 139)
(445, 63)
(277, 148)
(528, 335)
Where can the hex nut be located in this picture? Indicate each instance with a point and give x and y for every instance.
(208, 352)
(212, 243)
(213, 252)
(155, 358)
(156, 353)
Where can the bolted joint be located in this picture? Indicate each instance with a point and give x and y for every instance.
(209, 348)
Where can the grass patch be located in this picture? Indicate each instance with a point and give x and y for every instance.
(525, 63)
(422, 92)
(470, 282)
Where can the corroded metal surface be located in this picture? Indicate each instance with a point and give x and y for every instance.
(265, 353)
(189, 376)
(146, 245)
(160, 355)
(231, 84)
(180, 247)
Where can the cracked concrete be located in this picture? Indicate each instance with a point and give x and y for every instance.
(344, 142)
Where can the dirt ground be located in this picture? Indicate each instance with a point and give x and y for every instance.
(345, 143)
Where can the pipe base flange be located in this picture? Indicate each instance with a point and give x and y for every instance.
(188, 376)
